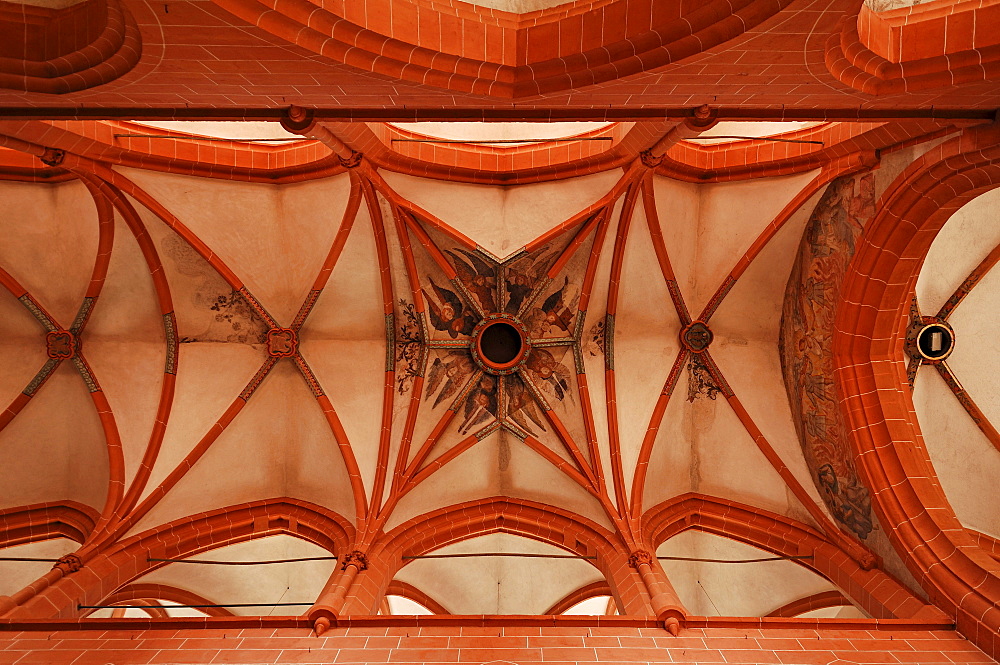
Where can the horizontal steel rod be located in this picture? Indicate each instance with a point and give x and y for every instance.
(501, 114)
(438, 556)
(694, 558)
(498, 554)
(167, 607)
(303, 138)
(574, 556)
(477, 141)
(244, 563)
(754, 138)
(207, 138)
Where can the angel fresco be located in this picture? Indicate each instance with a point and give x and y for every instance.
(480, 405)
(477, 275)
(521, 406)
(483, 292)
(522, 277)
(451, 372)
(448, 313)
(548, 373)
(552, 313)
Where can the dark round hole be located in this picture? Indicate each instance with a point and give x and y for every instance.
(500, 343)
(935, 341)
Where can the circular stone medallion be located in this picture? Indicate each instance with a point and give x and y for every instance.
(500, 344)
(935, 341)
(696, 336)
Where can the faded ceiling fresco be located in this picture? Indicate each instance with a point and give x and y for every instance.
(499, 330)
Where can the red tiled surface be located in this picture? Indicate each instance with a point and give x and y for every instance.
(611, 57)
(930, 29)
(46, 50)
(512, 643)
(877, 403)
(483, 164)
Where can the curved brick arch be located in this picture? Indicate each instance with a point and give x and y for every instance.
(506, 55)
(879, 594)
(542, 162)
(528, 519)
(586, 592)
(41, 521)
(868, 346)
(157, 592)
(410, 592)
(101, 575)
(90, 57)
(914, 48)
(817, 601)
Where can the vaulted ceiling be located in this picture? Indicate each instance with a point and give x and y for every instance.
(660, 362)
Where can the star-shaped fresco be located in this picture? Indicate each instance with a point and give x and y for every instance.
(495, 343)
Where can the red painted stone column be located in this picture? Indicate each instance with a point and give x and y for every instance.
(666, 604)
(328, 606)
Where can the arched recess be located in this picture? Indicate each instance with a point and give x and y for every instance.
(528, 519)
(42, 531)
(412, 593)
(135, 609)
(108, 568)
(583, 594)
(818, 601)
(130, 593)
(868, 345)
(247, 589)
(66, 519)
(876, 592)
(499, 585)
(755, 588)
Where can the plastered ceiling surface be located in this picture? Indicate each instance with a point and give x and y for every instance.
(276, 238)
(322, 347)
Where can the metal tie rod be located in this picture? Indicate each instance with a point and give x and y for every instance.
(498, 554)
(208, 138)
(577, 556)
(558, 140)
(770, 558)
(773, 139)
(167, 607)
(242, 563)
(436, 556)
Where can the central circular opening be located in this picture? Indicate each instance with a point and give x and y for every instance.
(935, 341)
(500, 343)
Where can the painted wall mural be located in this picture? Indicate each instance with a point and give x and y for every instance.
(827, 247)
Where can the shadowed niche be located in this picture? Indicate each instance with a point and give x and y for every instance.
(500, 343)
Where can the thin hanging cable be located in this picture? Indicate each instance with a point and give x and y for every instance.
(579, 556)
(243, 563)
(197, 607)
(498, 554)
(437, 556)
(292, 139)
(302, 138)
(773, 139)
(280, 598)
(210, 138)
(488, 141)
(705, 591)
(770, 558)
